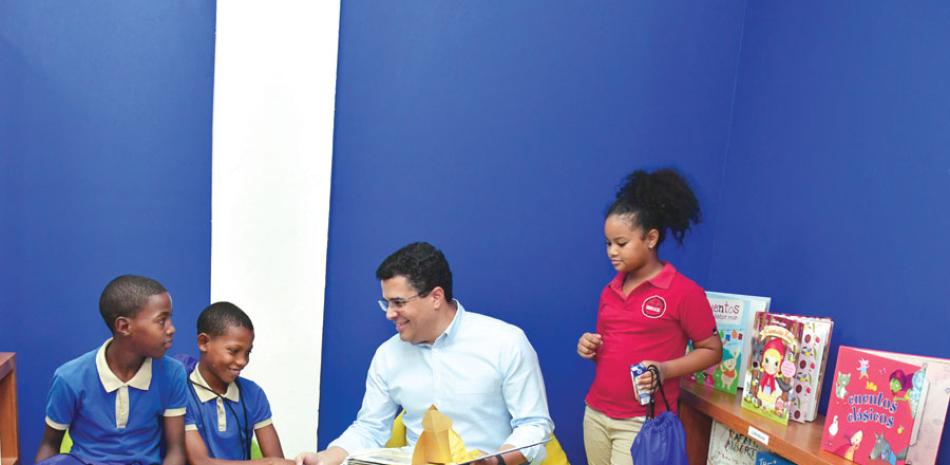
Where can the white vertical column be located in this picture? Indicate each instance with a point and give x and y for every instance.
(274, 87)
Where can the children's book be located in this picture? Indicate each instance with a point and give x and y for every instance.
(812, 359)
(735, 315)
(768, 458)
(887, 406)
(727, 447)
(403, 455)
(772, 366)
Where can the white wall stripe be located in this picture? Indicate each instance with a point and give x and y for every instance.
(275, 77)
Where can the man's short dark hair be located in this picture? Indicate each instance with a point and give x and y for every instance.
(216, 318)
(422, 265)
(125, 296)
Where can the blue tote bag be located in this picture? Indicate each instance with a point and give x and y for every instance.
(662, 439)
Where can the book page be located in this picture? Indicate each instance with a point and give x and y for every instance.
(388, 456)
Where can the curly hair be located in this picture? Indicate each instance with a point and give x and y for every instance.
(660, 200)
(423, 265)
(125, 295)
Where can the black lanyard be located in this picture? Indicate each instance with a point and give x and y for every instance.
(243, 434)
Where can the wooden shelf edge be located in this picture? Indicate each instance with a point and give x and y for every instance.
(9, 433)
(798, 442)
(7, 364)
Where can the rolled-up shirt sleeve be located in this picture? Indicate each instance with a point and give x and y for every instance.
(373, 423)
(526, 399)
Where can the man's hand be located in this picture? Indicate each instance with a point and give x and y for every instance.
(511, 458)
(588, 344)
(490, 460)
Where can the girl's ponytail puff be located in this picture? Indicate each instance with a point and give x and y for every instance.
(660, 200)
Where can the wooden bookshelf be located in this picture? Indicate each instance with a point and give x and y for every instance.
(9, 432)
(798, 442)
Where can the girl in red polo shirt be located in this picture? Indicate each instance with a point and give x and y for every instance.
(647, 313)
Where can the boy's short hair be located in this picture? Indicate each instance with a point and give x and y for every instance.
(125, 296)
(423, 265)
(216, 318)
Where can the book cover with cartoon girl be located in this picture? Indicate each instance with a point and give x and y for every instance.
(871, 411)
(772, 367)
(735, 318)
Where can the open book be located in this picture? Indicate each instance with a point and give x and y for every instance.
(403, 455)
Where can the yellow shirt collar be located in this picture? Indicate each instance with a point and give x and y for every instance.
(111, 382)
(232, 394)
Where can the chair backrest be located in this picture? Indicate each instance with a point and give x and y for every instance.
(554, 454)
(67, 444)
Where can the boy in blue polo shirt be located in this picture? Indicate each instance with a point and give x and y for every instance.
(225, 411)
(125, 400)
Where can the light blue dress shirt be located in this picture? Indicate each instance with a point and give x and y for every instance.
(481, 372)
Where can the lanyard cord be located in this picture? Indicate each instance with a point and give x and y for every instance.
(243, 434)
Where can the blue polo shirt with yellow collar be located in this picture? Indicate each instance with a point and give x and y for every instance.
(114, 421)
(226, 423)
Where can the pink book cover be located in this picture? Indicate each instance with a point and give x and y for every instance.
(928, 399)
(870, 418)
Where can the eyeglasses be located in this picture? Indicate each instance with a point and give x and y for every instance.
(398, 303)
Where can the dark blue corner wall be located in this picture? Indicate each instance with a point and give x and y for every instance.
(105, 169)
(836, 192)
(499, 131)
(815, 133)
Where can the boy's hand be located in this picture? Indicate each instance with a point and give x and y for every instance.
(588, 344)
(307, 458)
(331, 456)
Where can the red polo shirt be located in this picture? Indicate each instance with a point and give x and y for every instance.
(653, 323)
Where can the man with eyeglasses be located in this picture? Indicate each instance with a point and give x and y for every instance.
(479, 371)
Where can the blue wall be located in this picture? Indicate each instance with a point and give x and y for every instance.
(105, 168)
(499, 131)
(837, 181)
(815, 133)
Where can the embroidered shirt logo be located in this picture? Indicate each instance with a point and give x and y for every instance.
(653, 307)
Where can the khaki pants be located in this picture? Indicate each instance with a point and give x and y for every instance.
(607, 440)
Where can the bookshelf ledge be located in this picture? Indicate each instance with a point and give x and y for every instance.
(798, 442)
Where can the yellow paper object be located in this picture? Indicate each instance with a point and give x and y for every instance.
(439, 443)
(459, 453)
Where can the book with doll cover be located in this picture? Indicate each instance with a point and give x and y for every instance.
(772, 366)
